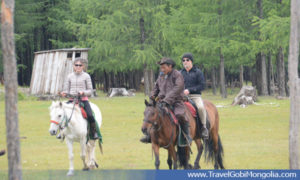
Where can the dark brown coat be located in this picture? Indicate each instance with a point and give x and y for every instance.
(169, 88)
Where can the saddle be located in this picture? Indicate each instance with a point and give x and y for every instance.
(172, 116)
(84, 115)
(191, 107)
(81, 107)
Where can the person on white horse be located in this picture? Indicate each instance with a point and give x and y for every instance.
(194, 83)
(79, 82)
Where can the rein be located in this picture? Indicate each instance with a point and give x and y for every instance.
(61, 127)
(154, 124)
(65, 119)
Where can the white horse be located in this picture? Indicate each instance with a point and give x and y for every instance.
(69, 120)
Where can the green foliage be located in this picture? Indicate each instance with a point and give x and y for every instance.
(112, 30)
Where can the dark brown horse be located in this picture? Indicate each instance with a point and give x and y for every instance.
(164, 134)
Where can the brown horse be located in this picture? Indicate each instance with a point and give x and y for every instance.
(164, 132)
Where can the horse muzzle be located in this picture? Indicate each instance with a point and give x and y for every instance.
(144, 130)
(52, 132)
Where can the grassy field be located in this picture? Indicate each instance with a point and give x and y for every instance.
(255, 137)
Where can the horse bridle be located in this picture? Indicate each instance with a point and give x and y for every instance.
(64, 121)
(154, 123)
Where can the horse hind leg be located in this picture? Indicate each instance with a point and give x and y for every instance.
(200, 150)
(173, 155)
(91, 155)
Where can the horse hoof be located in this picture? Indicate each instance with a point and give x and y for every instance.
(86, 169)
(196, 167)
(70, 173)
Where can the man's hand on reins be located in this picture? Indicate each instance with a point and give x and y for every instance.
(164, 104)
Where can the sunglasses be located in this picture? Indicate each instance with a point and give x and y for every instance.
(187, 60)
(78, 65)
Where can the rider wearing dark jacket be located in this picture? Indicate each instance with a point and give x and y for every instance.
(193, 80)
(194, 83)
(169, 90)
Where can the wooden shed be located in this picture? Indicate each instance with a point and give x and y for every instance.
(51, 68)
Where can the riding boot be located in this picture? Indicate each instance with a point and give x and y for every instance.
(146, 139)
(93, 131)
(186, 130)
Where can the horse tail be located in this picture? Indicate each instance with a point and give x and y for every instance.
(100, 146)
(183, 154)
(210, 154)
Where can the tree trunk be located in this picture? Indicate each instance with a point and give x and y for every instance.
(148, 72)
(11, 90)
(264, 83)
(261, 74)
(271, 84)
(261, 71)
(241, 76)
(253, 77)
(148, 80)
(294, 85)
(222, 76)
(281, 73)
(287, 88)
(213, 80)
(106, 82)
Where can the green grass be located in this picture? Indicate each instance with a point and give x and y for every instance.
(255, 137)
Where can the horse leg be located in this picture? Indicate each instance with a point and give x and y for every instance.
(169, 161)
(83, 154)
(174, 156)
(71, 157)
(200, 150)
(155, 148)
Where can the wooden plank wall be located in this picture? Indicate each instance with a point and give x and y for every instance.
(50, 70)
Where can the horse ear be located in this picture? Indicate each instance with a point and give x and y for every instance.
(60, 104)
(146, 102)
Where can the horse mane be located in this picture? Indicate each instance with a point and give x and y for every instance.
(70, 106)
(162, 112)
(57, 104)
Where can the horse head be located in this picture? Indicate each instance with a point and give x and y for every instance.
(57, 115)
(151, 116)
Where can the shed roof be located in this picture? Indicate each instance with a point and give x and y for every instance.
(63, 50)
